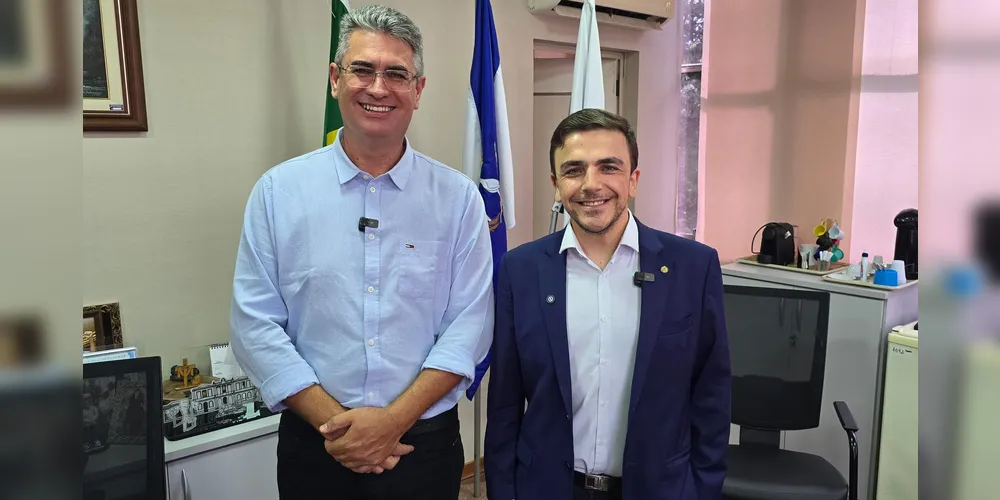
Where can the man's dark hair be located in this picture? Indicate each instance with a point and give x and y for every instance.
(593, 119)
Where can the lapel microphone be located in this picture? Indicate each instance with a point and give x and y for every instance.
(366, 222)
(639, 277)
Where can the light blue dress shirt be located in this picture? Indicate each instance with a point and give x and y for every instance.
(316, 300)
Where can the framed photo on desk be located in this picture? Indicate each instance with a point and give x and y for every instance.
(102, 327)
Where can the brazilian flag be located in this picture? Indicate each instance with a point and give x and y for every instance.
(333, 121)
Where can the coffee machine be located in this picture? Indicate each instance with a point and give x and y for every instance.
(906, 241)
(777, 244)
(988, 239)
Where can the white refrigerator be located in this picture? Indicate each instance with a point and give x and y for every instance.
(897, 459)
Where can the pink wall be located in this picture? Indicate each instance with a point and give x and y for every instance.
(885, 177)
(778, 92)
(958, 167)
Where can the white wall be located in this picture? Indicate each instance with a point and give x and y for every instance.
(233, 87)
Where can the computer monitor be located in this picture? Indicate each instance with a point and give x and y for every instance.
(123, 430)
(777, 346)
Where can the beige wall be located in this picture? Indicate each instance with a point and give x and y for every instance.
(236, 86)
(225, 87)
(39, 213)
(778, 89)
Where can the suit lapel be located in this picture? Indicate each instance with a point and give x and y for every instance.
(552, 285)
(655, 297)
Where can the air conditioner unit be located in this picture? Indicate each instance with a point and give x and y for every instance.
(636, 14)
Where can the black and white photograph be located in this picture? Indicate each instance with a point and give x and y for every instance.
(128, 414)
(95, 71)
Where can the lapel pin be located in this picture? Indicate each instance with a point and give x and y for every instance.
(550, 299)
(664, 269)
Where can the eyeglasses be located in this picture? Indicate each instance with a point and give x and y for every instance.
(394, 79)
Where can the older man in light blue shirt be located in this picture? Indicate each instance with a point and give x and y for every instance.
(361, 312)
(362, 299)
(322, 295)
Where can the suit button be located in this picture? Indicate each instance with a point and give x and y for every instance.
(568, 466)
(567, 417)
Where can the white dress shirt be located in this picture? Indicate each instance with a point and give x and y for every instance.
(602, 325)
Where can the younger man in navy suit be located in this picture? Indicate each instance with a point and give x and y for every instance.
(615, 335)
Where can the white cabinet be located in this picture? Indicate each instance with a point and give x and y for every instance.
(244, 470)
(860, 321)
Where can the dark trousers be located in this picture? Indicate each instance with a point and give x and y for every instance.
(432, 471)
(580, 493)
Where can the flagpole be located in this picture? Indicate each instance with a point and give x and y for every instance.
(478, 405)
(557, 208)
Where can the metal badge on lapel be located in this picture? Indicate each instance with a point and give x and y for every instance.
(550, 299)
(664, 269)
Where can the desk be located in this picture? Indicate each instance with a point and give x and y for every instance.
(235, 462)
(860, 321)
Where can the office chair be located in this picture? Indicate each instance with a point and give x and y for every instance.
(778, 354)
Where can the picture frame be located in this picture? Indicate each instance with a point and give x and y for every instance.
(105, 321)
(114, 97)
(21, 340)
(35, 55)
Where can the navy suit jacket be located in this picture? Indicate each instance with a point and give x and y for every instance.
(679, 411)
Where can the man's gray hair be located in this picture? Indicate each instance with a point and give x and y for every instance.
(386, 20)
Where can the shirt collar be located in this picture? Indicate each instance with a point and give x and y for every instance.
(630, 238)
(347, 170)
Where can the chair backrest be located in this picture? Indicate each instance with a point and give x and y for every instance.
(777, 340)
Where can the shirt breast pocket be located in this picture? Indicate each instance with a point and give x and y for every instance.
(419, 264)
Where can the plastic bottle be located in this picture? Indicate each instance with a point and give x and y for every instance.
(865, 266)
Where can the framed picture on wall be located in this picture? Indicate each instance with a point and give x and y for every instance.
(21, 341)
(113, 95)
(102, 327)
(34, 55)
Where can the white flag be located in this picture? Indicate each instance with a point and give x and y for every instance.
(588, 75)
(588, 78)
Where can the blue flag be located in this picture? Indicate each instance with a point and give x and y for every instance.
(487, 156)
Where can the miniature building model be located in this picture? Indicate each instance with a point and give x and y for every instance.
(214, 405)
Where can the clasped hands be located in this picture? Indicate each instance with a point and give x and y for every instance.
(365, 440)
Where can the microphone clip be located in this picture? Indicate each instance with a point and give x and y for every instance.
(639, 277)
(366, 222)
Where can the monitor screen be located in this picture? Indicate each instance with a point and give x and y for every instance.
(122, 434)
